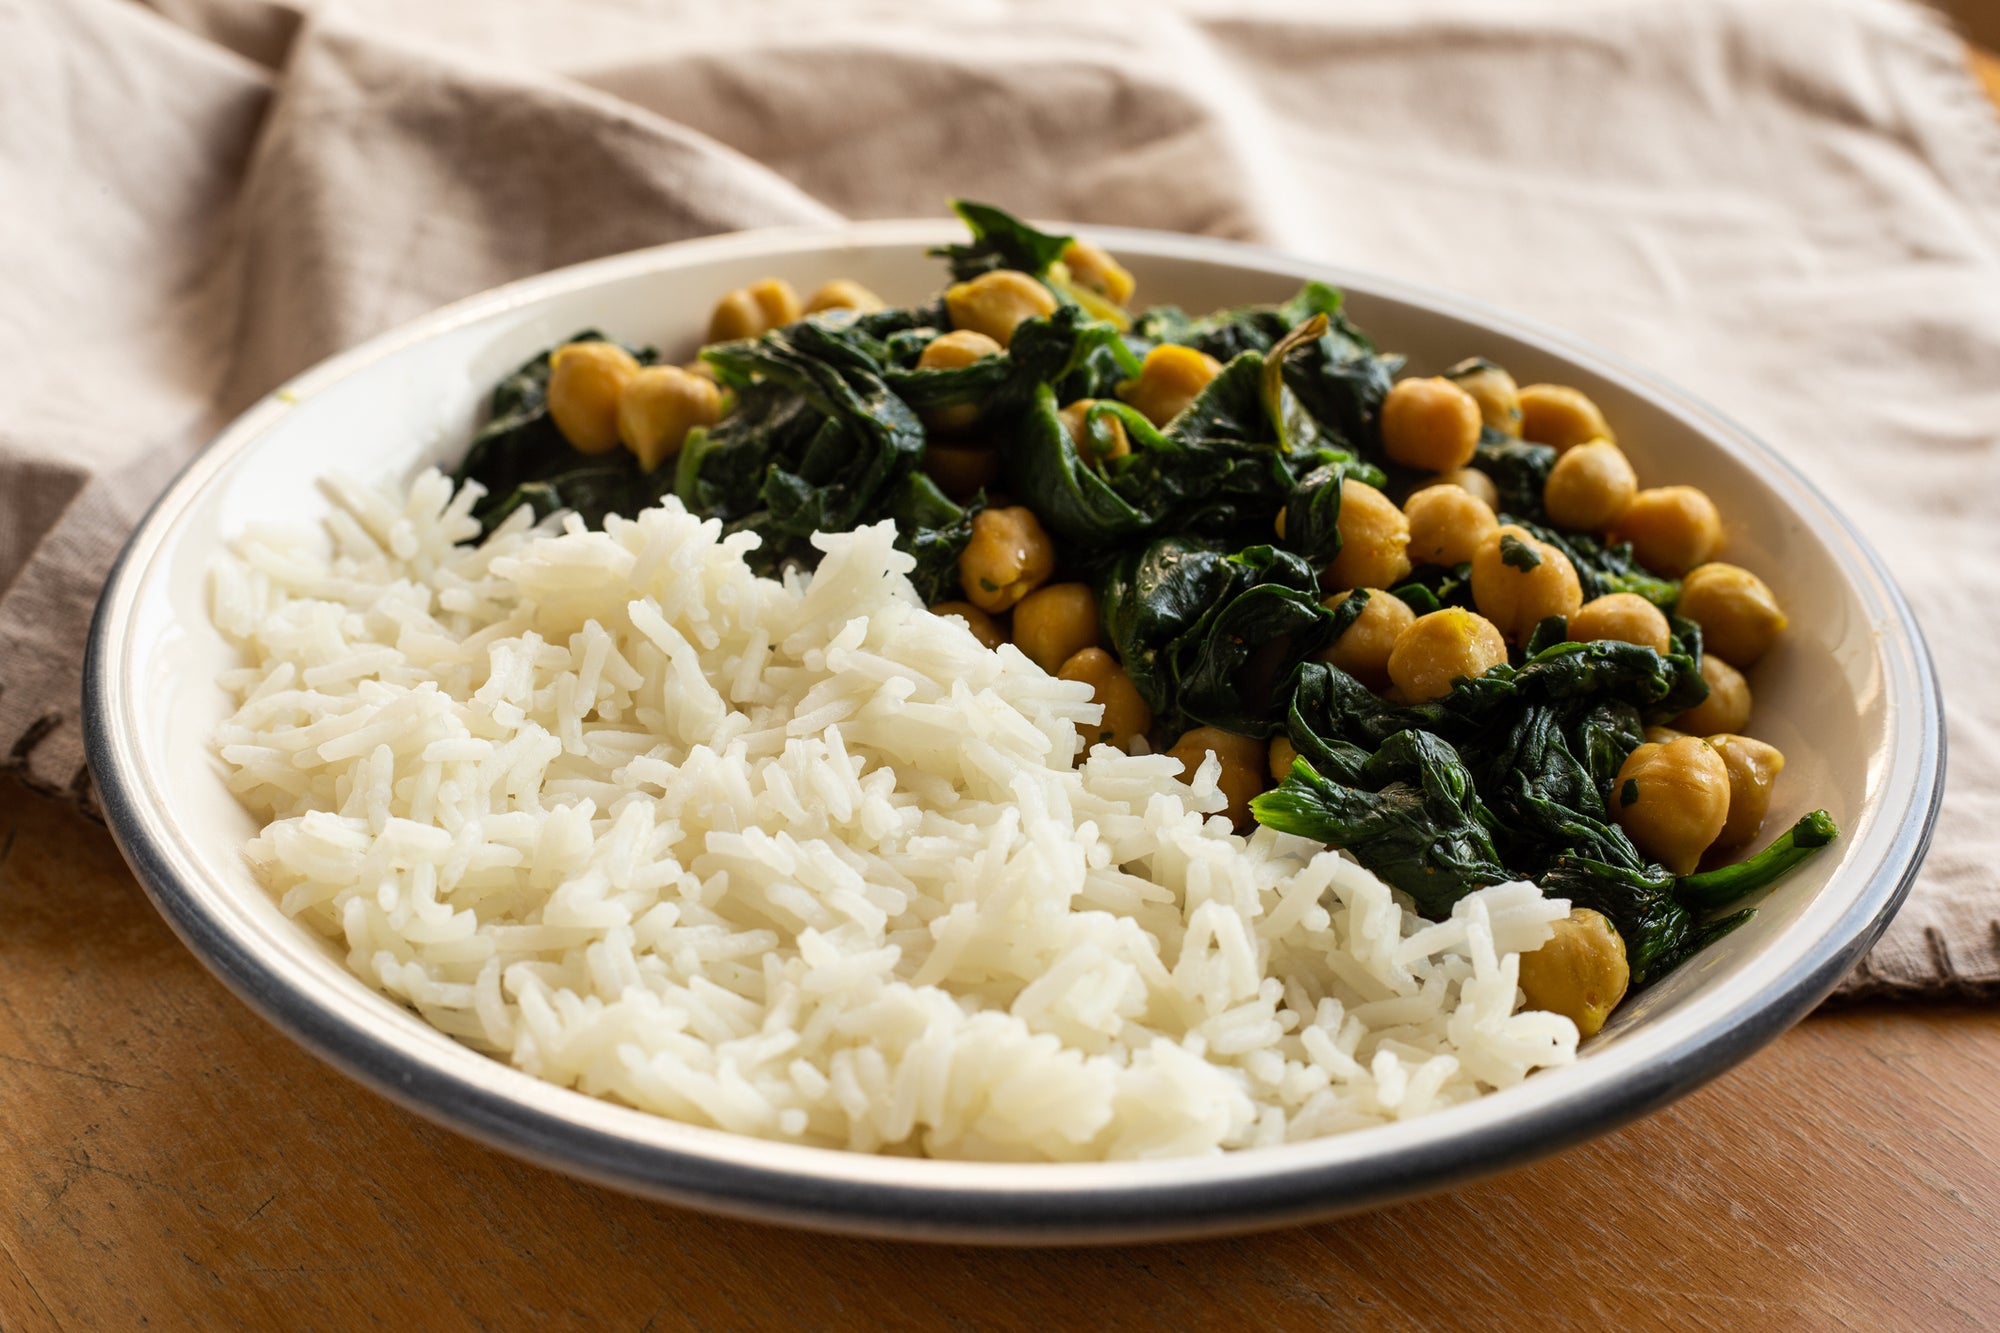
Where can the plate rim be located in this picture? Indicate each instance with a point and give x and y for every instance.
(983, 1202)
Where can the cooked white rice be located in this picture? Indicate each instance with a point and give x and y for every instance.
(802, 860)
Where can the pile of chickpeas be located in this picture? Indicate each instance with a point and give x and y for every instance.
(1696, 786)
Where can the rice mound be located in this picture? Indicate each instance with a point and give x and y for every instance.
(802, 860)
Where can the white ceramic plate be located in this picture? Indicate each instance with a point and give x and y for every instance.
(1849, 696)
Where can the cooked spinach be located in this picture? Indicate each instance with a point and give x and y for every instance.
(999, 240)
(1227, 334)
(1602, 567)
(1519, 472)
(1525, 753)
(1508, 775)
(1187, 617)
(1216, 470)
(1732, 883)
(519, 457)
(1410, 812)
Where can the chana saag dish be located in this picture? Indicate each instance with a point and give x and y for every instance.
(1435, 621)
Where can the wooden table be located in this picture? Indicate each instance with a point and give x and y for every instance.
(168, 1156)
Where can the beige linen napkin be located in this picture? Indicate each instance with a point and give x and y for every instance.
(1792, 208)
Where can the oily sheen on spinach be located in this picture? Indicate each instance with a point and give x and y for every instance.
(1203, 538)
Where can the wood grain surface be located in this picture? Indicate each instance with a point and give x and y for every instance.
(168, 1160)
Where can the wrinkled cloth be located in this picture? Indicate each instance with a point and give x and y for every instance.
(1793, 208)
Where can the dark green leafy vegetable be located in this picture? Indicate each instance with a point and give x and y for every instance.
(1227, 334)
(521, 458)
(1728, 884)
(1517, 554)
(1410, 812)
(1434, 587)
(1042, 352)
(1603, 567)
(1215, 471)
(1548, 632)
(1508, 775)
(1542, 743)
(1340, 382)
(1187, 618)
(999, 240)
(847, 470)
(1518, 470)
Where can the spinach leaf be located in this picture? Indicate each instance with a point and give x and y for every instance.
(1639, 901)
(1603, 736)
(1043, 351)
(1214, 472)
(1603, 567)
(820, 442)
(1541, 744)
(934, 530)
(868, 439)
(1227, 334)
(1517, 554)
(1728, 884)
(520, 457)
(1411, 814)
(720, 470)
(1433, 587)
(1207, 636)
(999, 240)
(1518, 470)
(1340, 381)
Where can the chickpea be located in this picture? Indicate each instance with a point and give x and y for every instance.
(701, 370)
(1439, 649)
(1589, 487)
(1093, 449)
(1559, 415)
(1580, 973)
(843, 294)
(1499, 398)
(1672, 800)
(659, 406)
(735, 316)
(1672, 528)
(955, 351)
(1008, 557)
(1243, 759)
(1517, 581)
(1621, 617)
(1374, 540)
(1739, 617)
(1169, 379)
(1092, 268)
(1363, 648)
(1478, 483)
(586, 381)
(1753, 770)
(984, 627)
(1661, 735)
(750, 311)
(1447, 523)
(1430, 424)
(995, 303)
(1126, 716)
(1727, 707)
(961, 471)
(1054, 623)
(1280, 758)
